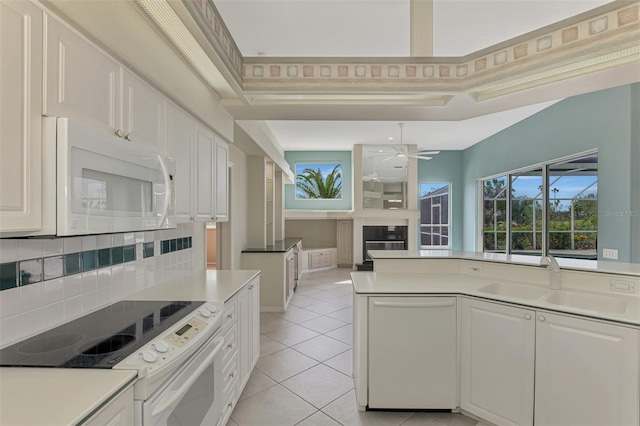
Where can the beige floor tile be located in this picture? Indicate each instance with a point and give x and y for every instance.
(258, 381)
(343, 363)
(302, 301)
(299, 315)
(321, 348)
(231, 423)
(269, 346)
(284, 364)
(292, 335)
(452, 419)
(342, 301)
(322, 308)
(271, 322)
(345, 411)
(345, 315)
(322, 324)
(344, 334)
(319, 385)
(275, 406)
(323, 295)
(326, 287)
(318, 419)
(304, 291)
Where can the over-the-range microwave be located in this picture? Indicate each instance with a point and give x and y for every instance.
(103, 183)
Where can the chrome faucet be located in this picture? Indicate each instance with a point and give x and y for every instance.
(554, 271)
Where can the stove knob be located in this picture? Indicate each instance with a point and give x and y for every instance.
(205, 313)
(149, 357)
(161, 347)
(211, 308)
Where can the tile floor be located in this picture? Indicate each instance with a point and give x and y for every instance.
(303, 376)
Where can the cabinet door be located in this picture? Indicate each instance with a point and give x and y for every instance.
(244, 327)
(586, 372)
(412, 352)
(221, 204)
(315, 260)
(143, 113)
(81, 81)
(180, 146)
(21, 118)
(497, 355)
(254, 288)
(203, 167)
(345, 242)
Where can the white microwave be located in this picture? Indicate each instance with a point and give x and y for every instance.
(106, 184)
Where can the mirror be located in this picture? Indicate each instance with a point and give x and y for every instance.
(384, 180)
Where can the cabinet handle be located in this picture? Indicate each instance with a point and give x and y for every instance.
(129, 137)
(230, 345)
(527, 316)
(251, 287)
(414, 305)
(541, 318)
(229, 316)
(193, 218)
(231, 375)
(230, 404)
(118, 133)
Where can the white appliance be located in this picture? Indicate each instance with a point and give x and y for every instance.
(180, 373)
(105, 183)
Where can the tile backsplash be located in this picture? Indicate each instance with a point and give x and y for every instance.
(46, 282)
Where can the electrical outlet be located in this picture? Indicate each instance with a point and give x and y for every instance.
(610, 253)
(623, 286)
(473, 269)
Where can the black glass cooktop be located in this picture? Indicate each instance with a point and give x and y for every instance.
(100, 339)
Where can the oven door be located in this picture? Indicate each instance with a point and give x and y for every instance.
(192, 395)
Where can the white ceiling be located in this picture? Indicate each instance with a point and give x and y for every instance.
(381, 28)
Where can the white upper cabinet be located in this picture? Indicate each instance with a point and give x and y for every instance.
(20, 121)
(586, 373)
(81, 82)
(143, 113)
(203, 174)
(497, 362)
(180, 128)
(221, 199)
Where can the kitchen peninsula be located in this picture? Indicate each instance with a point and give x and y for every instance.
(485, 334)
(279, 265)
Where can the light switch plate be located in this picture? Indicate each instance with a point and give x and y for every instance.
(610, 253)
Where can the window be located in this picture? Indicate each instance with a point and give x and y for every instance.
(318, 181)
(559, 197)
(434, 215)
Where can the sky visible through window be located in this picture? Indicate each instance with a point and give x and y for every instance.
(567, 186)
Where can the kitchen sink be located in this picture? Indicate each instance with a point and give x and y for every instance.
(588, 302)
(514, 290)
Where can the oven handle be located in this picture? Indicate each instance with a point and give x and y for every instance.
(176, 395)
(167, 192)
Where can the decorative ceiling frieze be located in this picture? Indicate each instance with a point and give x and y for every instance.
(601, 38)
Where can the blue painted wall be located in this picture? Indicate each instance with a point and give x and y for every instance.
(343, 157)
(606, 120)
(447, 167)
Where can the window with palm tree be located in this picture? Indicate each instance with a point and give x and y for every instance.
(318, 181)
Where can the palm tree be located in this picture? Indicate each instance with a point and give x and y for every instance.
(311, 184)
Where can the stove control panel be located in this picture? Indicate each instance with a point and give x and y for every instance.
(187, 332)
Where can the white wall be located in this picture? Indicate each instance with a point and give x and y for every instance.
(238, 202)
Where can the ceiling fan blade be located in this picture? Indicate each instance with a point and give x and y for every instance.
(428, 152)
(420, 157)
(389, 158)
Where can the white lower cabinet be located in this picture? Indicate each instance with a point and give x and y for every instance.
(241, 328)
(576, 372)
(320, 259)
(497, 362)
(586, 373)
(118, 412)
(412, 352)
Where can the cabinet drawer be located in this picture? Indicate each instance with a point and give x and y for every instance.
(228, 406)
(230, 375)
(229, 314)
(230, 344)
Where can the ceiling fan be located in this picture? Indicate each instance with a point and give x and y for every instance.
(373, 176)
(403, 152)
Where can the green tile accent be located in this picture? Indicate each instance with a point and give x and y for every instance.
(89, 260)
(174, 245)
(148, 250)
(30, 271)
(117, 255)
(8, 275)
(179, 243)
(129, 253)
(166, 246)
(104, 258)
(72, 263)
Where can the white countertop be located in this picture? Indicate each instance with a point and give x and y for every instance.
(56, 396)
(457, 284)
(205, 286)
(600, 266)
